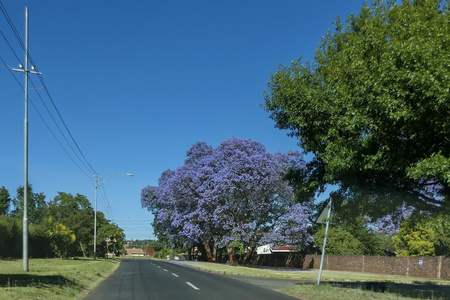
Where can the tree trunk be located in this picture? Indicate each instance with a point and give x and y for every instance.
(82, 249)
(248, 255)
(190, 253)
(208, 252)
(214, 255)
(232, 260)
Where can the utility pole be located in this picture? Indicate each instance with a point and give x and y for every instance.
(95, 217)
(25, 70)
(97, 185)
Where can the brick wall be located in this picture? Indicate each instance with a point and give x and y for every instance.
(445, 268)
(430, 267)
(385, 265)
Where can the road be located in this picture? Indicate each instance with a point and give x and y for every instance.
(147, 279)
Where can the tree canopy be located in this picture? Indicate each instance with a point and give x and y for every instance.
(232, 195)
(37, 207)
(423, 234)
(5, 201)
(76, 214)
(374, 107)
(68, 214)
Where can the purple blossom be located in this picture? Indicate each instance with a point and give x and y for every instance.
(391, 223)
(290, 229)
(232, 194)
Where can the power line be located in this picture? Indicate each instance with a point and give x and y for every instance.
(11, 25)
(63, 135)
(105, 201)
(10, 47)
(48, 127)
(82, 159)
(65, 125)
(43, 120)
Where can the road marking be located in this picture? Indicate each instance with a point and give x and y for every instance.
(159, 267)
(192, 286)
(175, 275)
(165, 270)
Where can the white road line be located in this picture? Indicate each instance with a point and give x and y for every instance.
(175, 275)
(165, 270)
(192, 286)
(159, 267)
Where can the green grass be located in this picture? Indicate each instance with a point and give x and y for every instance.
(327, 275)
(52, 278)
(337, 285)
(314, 292)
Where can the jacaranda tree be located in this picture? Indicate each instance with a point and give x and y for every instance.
(227, 197)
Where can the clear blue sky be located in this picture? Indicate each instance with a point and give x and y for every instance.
(138, 82)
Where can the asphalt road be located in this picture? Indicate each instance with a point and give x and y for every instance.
(146, 279)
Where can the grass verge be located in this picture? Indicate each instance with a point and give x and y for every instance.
(52, 278)
(337, 285)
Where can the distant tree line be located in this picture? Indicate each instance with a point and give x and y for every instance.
(62, 227)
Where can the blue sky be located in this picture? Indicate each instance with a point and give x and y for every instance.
(138, 83)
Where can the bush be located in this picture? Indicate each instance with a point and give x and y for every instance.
(339, 242)
(10, 237)
(39, 242)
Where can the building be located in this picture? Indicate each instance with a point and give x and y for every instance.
(135, 252)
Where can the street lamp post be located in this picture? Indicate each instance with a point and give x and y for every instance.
(95, 205)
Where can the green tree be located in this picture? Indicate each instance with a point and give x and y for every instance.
(37, 207)
(76, 213)
(359, 228)
(339, 242)
(414, 242)
(440, 224)
(156, 245)
(374, 107)
(62, 238)
(5, 201)
(109, 230)
(423, 235)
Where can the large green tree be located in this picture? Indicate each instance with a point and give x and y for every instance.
(76, 214)
(374, 107)
(71, 214)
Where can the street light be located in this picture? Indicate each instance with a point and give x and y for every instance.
(95, 209)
